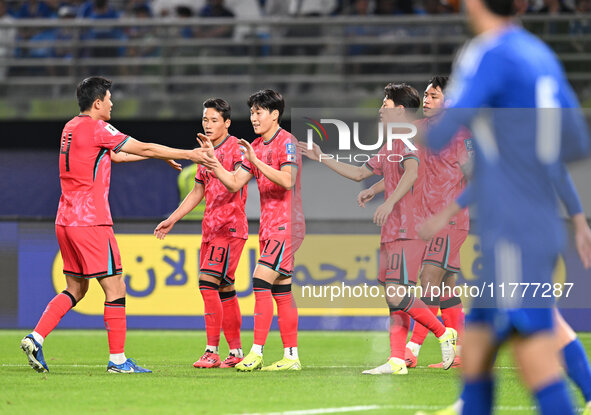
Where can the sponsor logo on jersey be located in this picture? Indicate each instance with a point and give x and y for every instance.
(111, 129)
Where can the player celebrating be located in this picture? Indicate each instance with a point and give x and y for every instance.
(225, 230)
(401, 249)
(272, 159)
(83, 223)
(516, 156)
(443, 182)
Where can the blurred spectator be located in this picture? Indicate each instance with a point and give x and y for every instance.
(554, 7)
(7, 36)
(142, 34)
(101, 10)
(436, 7)
(300, 7)
(32, 9)
(184, 12)
(215, 8)
(169, 8)
(133, 7)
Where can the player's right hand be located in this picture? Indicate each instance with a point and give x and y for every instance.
(163, 228)
(365, 196)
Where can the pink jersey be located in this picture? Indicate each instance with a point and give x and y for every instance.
(445, 179)
(224, 211)
(408, 213)
(281, 209)
(85, 171)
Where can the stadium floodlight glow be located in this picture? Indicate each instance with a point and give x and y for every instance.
(393, 132)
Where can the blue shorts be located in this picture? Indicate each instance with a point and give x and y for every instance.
(521, 299)
(504, 323)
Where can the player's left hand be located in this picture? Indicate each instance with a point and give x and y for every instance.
(205, 143)
(174, 164)
(382, 213)
(249, 153)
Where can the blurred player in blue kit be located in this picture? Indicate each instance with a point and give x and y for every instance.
(529, 126)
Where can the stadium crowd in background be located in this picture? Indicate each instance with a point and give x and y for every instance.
(101, 9)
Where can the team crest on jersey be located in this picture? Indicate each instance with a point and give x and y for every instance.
(221, 158)
(111, 129)
(269, 157)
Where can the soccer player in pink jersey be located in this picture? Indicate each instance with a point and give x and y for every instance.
(401, 248)
(272, 159)
(444, 181)
(224, 233)
(83, 224)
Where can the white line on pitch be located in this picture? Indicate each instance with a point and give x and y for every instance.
(363, 408)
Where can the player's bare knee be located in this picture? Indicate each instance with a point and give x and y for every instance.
(265, 274)
(530, 351)
(227, 288)
(431, 276)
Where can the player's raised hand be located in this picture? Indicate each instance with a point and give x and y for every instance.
(163, 228)
(249, 153)
(382, 213)
(365, 196)
(583, 239)
(174, 164)
(199, 155)
(313, 153)
(205, 142)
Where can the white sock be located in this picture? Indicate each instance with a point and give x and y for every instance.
(212, 349)
(414, 348)
(38, 338)
(118, 358)
(257, 349)
(237, 352)
(290, 353)
(458, 406)
(397, 361)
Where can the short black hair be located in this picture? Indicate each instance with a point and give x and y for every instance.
(403, 94)
(439, 81)
(501, 7)
(91, 89)
(267, 99)
(220, 105)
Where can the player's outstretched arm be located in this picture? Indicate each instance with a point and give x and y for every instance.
(437, 222)
(283, 177)
(411, 170)
(151, 150)
(349, 171)
(188, 204)
(123, 157)
(368, 194)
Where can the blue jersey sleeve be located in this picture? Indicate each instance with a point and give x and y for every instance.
(565, 188)
(466, 198)
(474, 86)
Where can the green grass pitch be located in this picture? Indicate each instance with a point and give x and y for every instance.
(331, 381)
